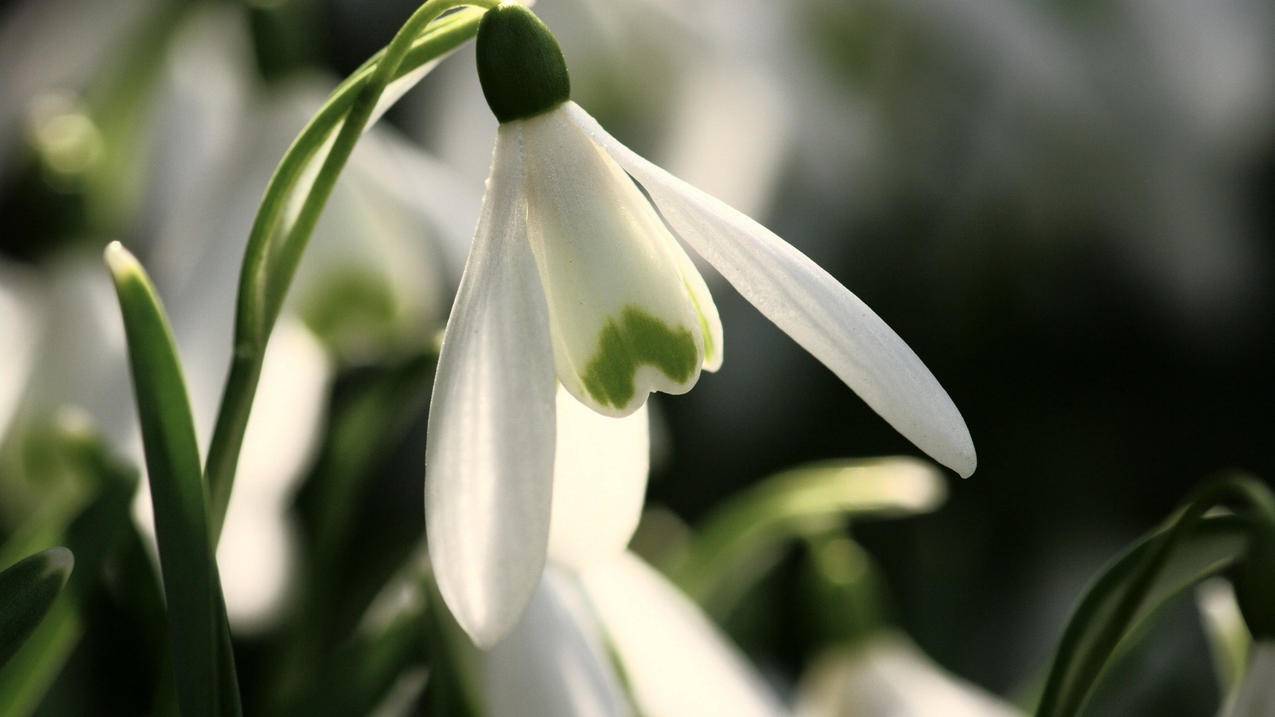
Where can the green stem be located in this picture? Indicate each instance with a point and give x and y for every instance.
(269, 265)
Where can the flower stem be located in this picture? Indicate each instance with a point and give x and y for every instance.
(277, 241)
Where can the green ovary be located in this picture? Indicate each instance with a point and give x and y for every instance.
(637, 339)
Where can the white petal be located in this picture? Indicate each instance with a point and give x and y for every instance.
(599, 481)
(554, 663)
(256, 559)
(676, 662)
(623, 317)
(1256, 696)
(287, 415)
(888, 677)
(489, 454)
(258, 543)
(19, 325)
(809, 305)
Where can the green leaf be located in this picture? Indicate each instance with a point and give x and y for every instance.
(357, 678)
(1214, 545)
(27, 592)
(91, 534)
(740, 538)
(195, 612)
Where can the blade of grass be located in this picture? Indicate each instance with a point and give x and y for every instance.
(195, 613)
(27, 591)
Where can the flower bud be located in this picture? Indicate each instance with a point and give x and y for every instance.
(520, 65)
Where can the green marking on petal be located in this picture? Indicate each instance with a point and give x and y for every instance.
(637, 339)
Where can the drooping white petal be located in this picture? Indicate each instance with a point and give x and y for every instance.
(489, 454)
(624, 318)
(1256, 696)
(809, 305)
(888, 677)
(555, 661)
(599, 481)
(675, 661)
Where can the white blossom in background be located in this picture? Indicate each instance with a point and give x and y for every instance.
(53, 48)
(574, 278)
(397, 220)
(20, 327)
(1229, 640)
(887, 676)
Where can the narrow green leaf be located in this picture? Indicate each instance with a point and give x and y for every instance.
(195, 614)
(27, 591)
(1214, 545)
(91, 534)
(740, 538)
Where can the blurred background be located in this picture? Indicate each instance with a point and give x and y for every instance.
(1066, 207)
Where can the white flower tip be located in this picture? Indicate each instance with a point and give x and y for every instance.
(967, 461)
(485, 635)
(485, 619)
(958, 453)
(119, 260)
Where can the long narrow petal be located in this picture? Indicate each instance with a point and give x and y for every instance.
(675, 660)
(554, 662)
(624, 319)
(599, 481)
(809, 305)
(489, 455)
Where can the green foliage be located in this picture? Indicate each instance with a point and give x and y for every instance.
(91, 529)
(1189, 549)
(27, 592)
(744, 535)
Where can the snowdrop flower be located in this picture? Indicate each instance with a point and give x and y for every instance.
(673, 659)
(575, 277)
(594, 595)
